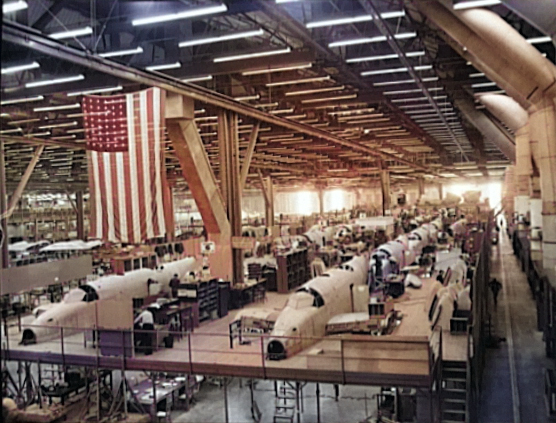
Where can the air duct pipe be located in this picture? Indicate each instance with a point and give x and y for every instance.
(508, 192)
(502, 50)
(507, 110)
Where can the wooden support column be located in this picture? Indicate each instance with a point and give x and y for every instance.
(80, 220)
(228, 141)
(4, 257)
(16, 196)
(267, 188)
(440, 191)
(385, 189)
(249, 156)
(196, 169)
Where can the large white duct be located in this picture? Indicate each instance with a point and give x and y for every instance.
(516, 118)
(503, 51)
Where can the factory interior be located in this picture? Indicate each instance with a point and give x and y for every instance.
(278, 211)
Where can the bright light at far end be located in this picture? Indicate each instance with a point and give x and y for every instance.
(14, 6)
(475, 3)
(335, 199)
(304, 202)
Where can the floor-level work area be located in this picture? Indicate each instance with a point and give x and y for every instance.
(513, 383)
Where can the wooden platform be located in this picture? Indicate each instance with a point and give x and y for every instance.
(403, 358)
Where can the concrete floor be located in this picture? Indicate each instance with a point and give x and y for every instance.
(354, 404)
(513, 381)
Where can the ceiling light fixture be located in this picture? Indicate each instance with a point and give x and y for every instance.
(79, 32)
(384, 57)
(127, 52)
(164, 66)
(298, 81)
(281, 111)
(251, 55)
(21, 100)
(475, 3)
(367, 40)
(266, 105)
(351, 112)
(483, 84)
(19, 122)
(11, 131)
(220, 38)
(193, 13)
(20, 68)
(539, 40)
(317, 100)
(315, 91)
(59, 125)
(54, 81)
(248, 97)
(353, 19)
(476, 75)
(14, 6)
(38, 134)
(55, 108)
(280, 69)
(95, 91)
(197, 78)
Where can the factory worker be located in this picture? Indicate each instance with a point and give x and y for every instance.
(145, 323)
(174, 285)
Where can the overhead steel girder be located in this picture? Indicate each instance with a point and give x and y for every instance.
(26, 37)
(278, 14)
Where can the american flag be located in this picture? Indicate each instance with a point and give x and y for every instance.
(127, 177)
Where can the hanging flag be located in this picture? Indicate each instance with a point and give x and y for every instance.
(127, 176)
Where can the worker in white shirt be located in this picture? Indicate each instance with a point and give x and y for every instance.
(145, 324)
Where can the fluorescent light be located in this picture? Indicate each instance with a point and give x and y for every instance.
(59, 125)
(418, 90)
(11, 131)
(251, 55)
(79, 32)
(414, 105)
(180, 15)
(476, 75)
(117, 53)
(220, 38)
(19, 122)
(281, 111)
(264, 105)
(285, 1)
(403, 100)
(20, 68)
(14, 6)
(95, 91)
(64, 137)
(384, 57)
(21, 100)
(38, 134)
(404, 81)
(353, 19)
(483, 84)
(422, 67)
(475, 3)
(317, 100)
(165, 66)
(367, 40)
(351, 112)
(54, 108)
(316, 90)
(247, 97)
(198, 78)
(298, 81)
(538, 40)
(281, 69)
(383, 71)
(54, 81)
